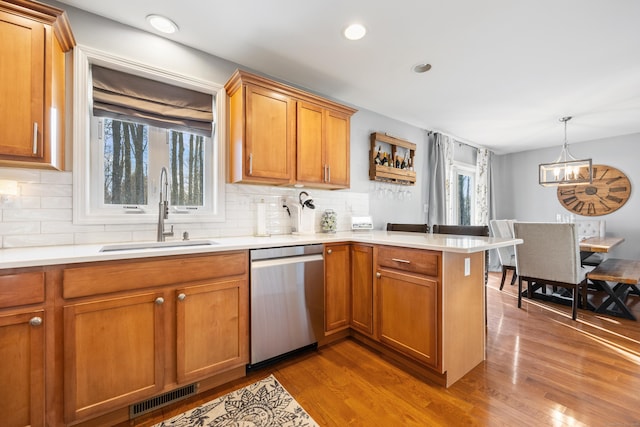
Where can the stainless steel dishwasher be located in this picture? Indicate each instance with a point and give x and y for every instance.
(287, 301)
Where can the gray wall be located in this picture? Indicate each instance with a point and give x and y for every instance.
(124, 41)
(519, 196)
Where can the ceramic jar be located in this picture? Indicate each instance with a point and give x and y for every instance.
(329, 221)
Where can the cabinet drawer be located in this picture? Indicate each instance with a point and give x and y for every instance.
(21, 289)
(121, 276)
(413, 260)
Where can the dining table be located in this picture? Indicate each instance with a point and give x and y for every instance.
(598, 244)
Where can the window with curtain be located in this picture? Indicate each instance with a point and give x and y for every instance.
(138, 123)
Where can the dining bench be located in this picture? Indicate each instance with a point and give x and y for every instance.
(626, 275)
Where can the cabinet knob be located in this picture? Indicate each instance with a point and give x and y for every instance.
(329, 251)
(35, 321)
(378, 275)
(181, 297)
(159, 300)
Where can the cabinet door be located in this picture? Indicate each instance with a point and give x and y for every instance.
(337, 286)
(22, 78)
(362, 288)
(270, 130)
(113, 353)
(337, 148)
(212, 332)
(22, 369)
(311, 163)
(408, 314)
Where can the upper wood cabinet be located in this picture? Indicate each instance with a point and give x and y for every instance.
(280, 135)
(33, 40)
(322, 147)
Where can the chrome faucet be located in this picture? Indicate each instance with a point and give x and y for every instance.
(163, 206)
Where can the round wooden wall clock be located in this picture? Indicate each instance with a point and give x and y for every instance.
(609, 191)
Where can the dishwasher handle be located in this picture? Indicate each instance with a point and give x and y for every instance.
(264, 263)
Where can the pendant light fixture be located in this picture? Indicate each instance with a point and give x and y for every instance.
(566, 170)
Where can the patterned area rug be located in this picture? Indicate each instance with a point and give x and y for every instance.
(262, 404)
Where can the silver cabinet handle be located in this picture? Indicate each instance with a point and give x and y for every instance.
(325, 173)
(329, 251)
(35, 321)
(181, 297)
(250, 163)
(159, 300)
(378, 275)
(404, 261)
(328, 173)
(35, 137)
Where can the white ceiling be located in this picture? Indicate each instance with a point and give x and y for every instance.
(504, 71)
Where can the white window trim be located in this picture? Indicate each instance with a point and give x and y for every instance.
(82, 211)
(466, 169)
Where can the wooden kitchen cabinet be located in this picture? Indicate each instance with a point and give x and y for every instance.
(362, 299)
(337, 290)
(407, 284)
(113, 352)
(22, 349)
(151, 325)
(33, 40)
(211, 313)
(322, 147)
(281, 135)
(261, 135)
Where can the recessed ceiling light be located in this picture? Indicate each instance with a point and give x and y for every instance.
(162, 24)
(421, 68)
(355, 31)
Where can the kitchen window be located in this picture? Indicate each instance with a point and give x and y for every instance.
(138, 120)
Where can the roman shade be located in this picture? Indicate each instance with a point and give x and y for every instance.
(123, 96)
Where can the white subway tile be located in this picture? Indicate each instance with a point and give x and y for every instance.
(37, 240)
(17, 228)
(56, 202)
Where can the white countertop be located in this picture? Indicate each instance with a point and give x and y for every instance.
(54, 255)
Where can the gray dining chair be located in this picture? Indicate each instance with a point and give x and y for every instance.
(549, 256)
(586, 228)
(506, 254)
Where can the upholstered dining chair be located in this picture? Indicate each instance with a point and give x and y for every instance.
(591, 228)
(415, 228)
(549, 255)
(507, 254)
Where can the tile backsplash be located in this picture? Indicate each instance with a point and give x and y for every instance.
(41, 213)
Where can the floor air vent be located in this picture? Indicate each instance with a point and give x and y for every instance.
(165, 399)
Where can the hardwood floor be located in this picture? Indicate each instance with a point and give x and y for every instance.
(542, 369)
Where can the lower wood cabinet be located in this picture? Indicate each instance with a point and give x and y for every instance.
(408, 318)
(22, 349)
(22, 368)
(125, 346)
(114, 352)
(362, 288)
(211, 328)
(408, 302)
(337, 287)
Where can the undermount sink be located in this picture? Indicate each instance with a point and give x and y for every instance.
(156, 245)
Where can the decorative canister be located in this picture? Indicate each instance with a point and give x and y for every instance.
(329, 221)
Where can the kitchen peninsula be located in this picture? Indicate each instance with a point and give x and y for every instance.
(418, 298)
